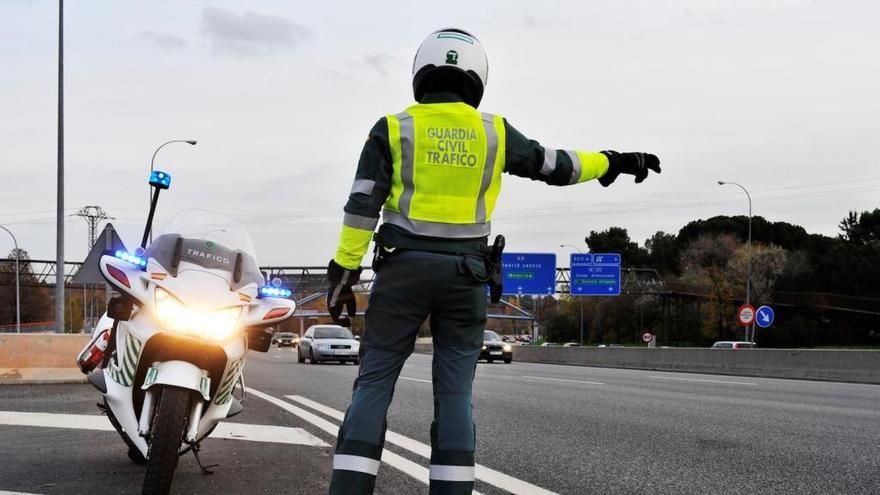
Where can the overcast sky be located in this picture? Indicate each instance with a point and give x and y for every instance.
(781, 96)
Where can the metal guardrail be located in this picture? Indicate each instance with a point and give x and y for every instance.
(634, 281)
(37, 327)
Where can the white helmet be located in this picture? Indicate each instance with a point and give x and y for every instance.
(451, 52)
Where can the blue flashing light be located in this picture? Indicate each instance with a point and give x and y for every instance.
(160, 179)
(275, 292)
(133, 259)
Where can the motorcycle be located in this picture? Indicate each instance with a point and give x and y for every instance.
(183, 314)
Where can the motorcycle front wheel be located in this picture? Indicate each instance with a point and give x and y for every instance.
(166, 437)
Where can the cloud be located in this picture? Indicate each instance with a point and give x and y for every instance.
(165, 41)
(249, 33)
(381, 62)
(531, 22)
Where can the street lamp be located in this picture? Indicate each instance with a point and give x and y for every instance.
(17, 300)
(191, 142)
(749, 262)
(580, 301)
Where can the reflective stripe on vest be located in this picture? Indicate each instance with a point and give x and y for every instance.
(447, 162)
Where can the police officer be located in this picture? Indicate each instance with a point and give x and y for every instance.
(434, 171)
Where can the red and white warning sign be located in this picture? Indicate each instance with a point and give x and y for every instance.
(745, 315)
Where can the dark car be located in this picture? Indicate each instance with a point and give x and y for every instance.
(286, 339)
(495, 348)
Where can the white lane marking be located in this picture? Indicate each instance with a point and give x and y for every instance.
(401, 463)
(496, 478)
(726, 382)
(415, 379)
(267, 433)
(395, 438)
(229, 431)
(15, 493)
(562, 380)
(52, 420)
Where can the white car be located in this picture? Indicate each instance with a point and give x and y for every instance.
(328, 343)
(733, 344)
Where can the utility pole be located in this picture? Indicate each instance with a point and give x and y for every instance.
(59, 219)
(93, 215)
(749, 262)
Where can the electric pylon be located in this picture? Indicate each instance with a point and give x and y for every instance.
(93, 215)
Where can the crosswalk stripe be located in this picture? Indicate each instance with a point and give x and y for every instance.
(482, 473)
(398, 462)
(224, 431)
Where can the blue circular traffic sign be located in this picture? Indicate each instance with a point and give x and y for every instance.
(764, 316)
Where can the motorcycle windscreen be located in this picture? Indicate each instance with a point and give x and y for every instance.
(209, 240)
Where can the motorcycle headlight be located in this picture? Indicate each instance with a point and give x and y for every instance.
(211, 325)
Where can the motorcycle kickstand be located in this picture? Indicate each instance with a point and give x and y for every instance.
(196, 447)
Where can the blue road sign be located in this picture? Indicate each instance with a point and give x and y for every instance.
(765, 316)
(595, 274)
(529, 274)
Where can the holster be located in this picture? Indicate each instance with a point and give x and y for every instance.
(493, 265)
(493, 278)
(380, 255)
(491, 255)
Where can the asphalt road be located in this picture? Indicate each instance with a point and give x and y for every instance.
(562, 429)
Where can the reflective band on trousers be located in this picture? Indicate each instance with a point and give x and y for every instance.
(575, 167)
(549, 162)
(441, 472)
(357, 463)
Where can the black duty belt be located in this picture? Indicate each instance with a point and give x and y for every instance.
(464, 247)
(491, 255)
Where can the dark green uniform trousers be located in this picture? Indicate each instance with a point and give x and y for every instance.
(410, 287)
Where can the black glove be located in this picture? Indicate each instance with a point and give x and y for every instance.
(636, 164)
(340, 293)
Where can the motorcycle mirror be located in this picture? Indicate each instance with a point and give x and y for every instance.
(119, 307)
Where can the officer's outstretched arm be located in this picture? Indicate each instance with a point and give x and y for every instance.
(527, 158)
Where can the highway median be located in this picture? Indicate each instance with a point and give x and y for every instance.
(40, 358)
(854, 366)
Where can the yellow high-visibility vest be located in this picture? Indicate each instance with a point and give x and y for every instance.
(447, 160)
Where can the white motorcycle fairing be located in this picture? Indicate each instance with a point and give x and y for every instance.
(205, 272)
(178, 374)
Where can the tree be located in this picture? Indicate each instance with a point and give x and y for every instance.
(662, 253)
(861, 228)
(782, 234)
(706, 267)
(616, 240)
(769, 263)
(35, 302)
